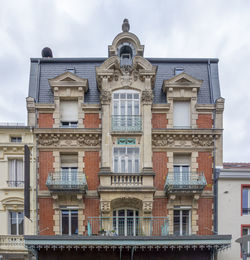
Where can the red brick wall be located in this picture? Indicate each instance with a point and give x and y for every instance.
(92, 209)
(205, 160)
(91, 120)
(205, 220)
(160, 169)
(45, 120)
(204, 121)
(46, 213)
(46, 160)
(91, 161)
(159, 120)
(160, 207)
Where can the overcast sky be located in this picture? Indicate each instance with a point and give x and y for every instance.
(172, 29)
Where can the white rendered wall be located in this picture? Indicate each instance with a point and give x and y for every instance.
(229, 214)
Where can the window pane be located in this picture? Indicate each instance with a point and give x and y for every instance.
(136, 108)
(116, 112)
(245, 201)
(65, 222)
(123, 96)
(123, 168)
(74, 222)
(130, 168)
(115, 165)
(13, 223)
(136, 166)
(136, 96)
(185, 222)
(116, 96)
(19, 170)
(176, 222)
(129, 96)
(129, 108)
(20, 223)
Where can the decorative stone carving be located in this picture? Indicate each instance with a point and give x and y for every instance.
(175, 139)
(147, 206)
(68, 139)
(105, 206)
(105, 97)
(147, 96)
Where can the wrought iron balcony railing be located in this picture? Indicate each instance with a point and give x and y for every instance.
(126, 123)
(67, 181)
(16, 184)
(128, 226)
(185, 181)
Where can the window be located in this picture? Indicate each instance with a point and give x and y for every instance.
(178, 71)
(126, 54)
(69, 167)
(125, 222)
(69, 222)
(245, 232)
(16, 175)
(16, 139)
(69, 113)
(181, 168)
(246, 200)
(181, 114)
(126, 103)
(182, 221)
(72, 70)
(16, 223)
(126, 160)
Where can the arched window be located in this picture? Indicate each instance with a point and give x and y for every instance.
(126, 55)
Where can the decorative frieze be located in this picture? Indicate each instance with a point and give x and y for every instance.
(189, 140)
(68, 139)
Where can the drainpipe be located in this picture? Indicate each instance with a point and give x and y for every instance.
(132, 253)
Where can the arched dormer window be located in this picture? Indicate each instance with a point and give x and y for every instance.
(126, 52)
(126, 111)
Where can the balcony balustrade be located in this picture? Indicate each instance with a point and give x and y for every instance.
(128, 226)
(73, 181)
(185, 182)
(12, 242)
(126, 180)
(124, 123)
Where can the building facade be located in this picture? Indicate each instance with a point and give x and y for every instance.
(233, 198)
(127, 148)
(14, 224)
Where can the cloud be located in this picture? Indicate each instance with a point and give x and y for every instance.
(181, 28)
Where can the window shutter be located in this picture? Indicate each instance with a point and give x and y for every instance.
(181, 114)
(19, 166)
(69, 111)
(182, 159)
(12, 170)
(69, 160)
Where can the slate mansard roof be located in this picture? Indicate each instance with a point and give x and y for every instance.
(43, 69)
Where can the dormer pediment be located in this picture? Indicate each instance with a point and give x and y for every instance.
(182, 80)
(68, 80)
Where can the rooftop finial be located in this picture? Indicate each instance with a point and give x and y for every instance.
(125, 25)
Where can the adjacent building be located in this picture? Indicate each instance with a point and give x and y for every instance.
(14, 224)
(234, 206)
(127, 148)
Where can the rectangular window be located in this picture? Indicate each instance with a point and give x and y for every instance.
(245, 232)
(69, 113)
(126, 160)
(16, 139)
(178, 71)
(69, 167)
(182, 168)
(182, 222)
(69, 222)
(16, 220)
(16, 174)
(181, 114)
(246, 201)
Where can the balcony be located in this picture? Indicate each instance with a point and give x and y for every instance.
(11, 243)
(127, 226)
(191, 182)
(15, 184)
(62, 181)
(126, 123)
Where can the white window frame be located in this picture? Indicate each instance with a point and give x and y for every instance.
(17, 233)
(15, 174)
(248, 200)
(126, 100)
(184, 125)
(15, 139)
(69, 209)
(182, 174)
(69, 123)
(126, 159)
(125, 220)
(181, 209)
(248, 233)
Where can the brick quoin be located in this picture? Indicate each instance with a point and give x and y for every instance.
(91, 161)
(92, 209)
(205, 160)
(45, 120)
(204, 121)
(91, 120)
(46, 212)
(205, 213)
(160, 169)
(159, 120)
(46, 160)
